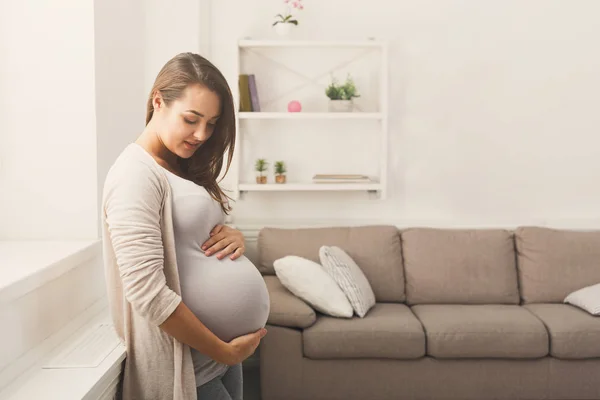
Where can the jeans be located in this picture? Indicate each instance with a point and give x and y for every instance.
(229, 386)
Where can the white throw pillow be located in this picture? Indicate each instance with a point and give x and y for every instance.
(587, 298)
(349, 277)
(309, 281)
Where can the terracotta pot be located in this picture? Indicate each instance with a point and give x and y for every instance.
(280, 178)
(261, 179)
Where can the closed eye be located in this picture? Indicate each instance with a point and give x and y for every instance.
(187, 121)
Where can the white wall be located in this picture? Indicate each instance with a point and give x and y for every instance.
(134, 39)
(120, 92)
(172, 28)
(491, 109)
(493, 114)
(47, 120)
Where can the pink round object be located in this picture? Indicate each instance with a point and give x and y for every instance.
(294, 106)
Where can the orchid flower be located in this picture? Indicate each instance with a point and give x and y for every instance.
(287, 18)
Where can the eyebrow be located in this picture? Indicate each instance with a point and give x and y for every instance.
(201, 115)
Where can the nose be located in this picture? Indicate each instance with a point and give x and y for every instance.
(202, 133)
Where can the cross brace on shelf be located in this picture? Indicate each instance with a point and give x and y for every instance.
(310, 80)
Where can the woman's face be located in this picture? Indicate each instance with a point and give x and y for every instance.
(189, 121)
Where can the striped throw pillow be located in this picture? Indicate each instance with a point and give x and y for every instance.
(349, 277)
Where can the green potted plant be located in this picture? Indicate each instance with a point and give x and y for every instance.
(284, 22)
(261, 166)
(341, 95)
(280, 171)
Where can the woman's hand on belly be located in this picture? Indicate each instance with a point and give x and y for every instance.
(244, 346)
(226, 241)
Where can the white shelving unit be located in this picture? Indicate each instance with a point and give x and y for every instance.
(377, 116)
(309, 187)
(310, 115)
(250, 43)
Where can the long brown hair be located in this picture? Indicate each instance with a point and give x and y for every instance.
(204, 167)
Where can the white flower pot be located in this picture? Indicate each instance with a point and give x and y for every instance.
(283, 29)
(341, 105)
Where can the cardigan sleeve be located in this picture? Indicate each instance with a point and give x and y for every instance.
(132, 206)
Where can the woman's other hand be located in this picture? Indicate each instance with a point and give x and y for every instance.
(243, 347)
(226, 241)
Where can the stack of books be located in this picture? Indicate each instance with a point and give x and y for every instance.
(249, 101)
(340, 178)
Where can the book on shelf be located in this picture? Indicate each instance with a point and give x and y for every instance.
(253, 93)
(248, 93)
(341, 178)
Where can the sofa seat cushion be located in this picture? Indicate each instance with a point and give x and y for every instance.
(389, 330)
(574, 334)
(482, 331)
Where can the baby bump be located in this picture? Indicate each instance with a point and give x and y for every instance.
(229, 296)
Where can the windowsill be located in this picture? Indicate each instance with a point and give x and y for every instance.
(73, 383)
(27, 265)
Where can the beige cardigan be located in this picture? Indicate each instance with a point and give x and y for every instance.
(142, 278)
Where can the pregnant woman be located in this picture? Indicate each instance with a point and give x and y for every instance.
(185, 301)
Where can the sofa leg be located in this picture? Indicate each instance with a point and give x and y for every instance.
(281, 364)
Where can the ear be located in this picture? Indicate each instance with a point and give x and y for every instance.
(157, 101)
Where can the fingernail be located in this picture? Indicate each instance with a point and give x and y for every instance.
(203, 247)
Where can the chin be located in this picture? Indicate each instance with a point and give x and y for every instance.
(185, 151)
(185, 155)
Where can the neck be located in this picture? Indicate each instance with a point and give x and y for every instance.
(151, 141)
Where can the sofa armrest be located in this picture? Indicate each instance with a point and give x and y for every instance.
(287, 309)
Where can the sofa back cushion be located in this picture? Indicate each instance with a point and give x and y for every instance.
(375, 249)
(463, 266)
(553, 263)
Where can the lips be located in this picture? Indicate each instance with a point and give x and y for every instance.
(191, 145)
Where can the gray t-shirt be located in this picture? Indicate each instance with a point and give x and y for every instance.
(228, 296)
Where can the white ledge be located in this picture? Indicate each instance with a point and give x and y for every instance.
(27, 265)
(73, 383)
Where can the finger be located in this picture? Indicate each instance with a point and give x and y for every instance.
(216, 229)
(220, 245)
(231, 248)
(237, 253)
(210, 242)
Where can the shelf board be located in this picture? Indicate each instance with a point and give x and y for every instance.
(309, 43)
(308, 187)
(310, 115)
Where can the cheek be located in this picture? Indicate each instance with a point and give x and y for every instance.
(178, 131)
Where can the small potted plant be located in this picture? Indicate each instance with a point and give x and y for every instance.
(261, 166)
(341, 96)
(283, 23)
(280, 171)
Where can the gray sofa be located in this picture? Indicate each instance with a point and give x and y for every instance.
(460, 314)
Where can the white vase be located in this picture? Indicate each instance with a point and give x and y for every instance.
(283, 29)
(341, 105)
